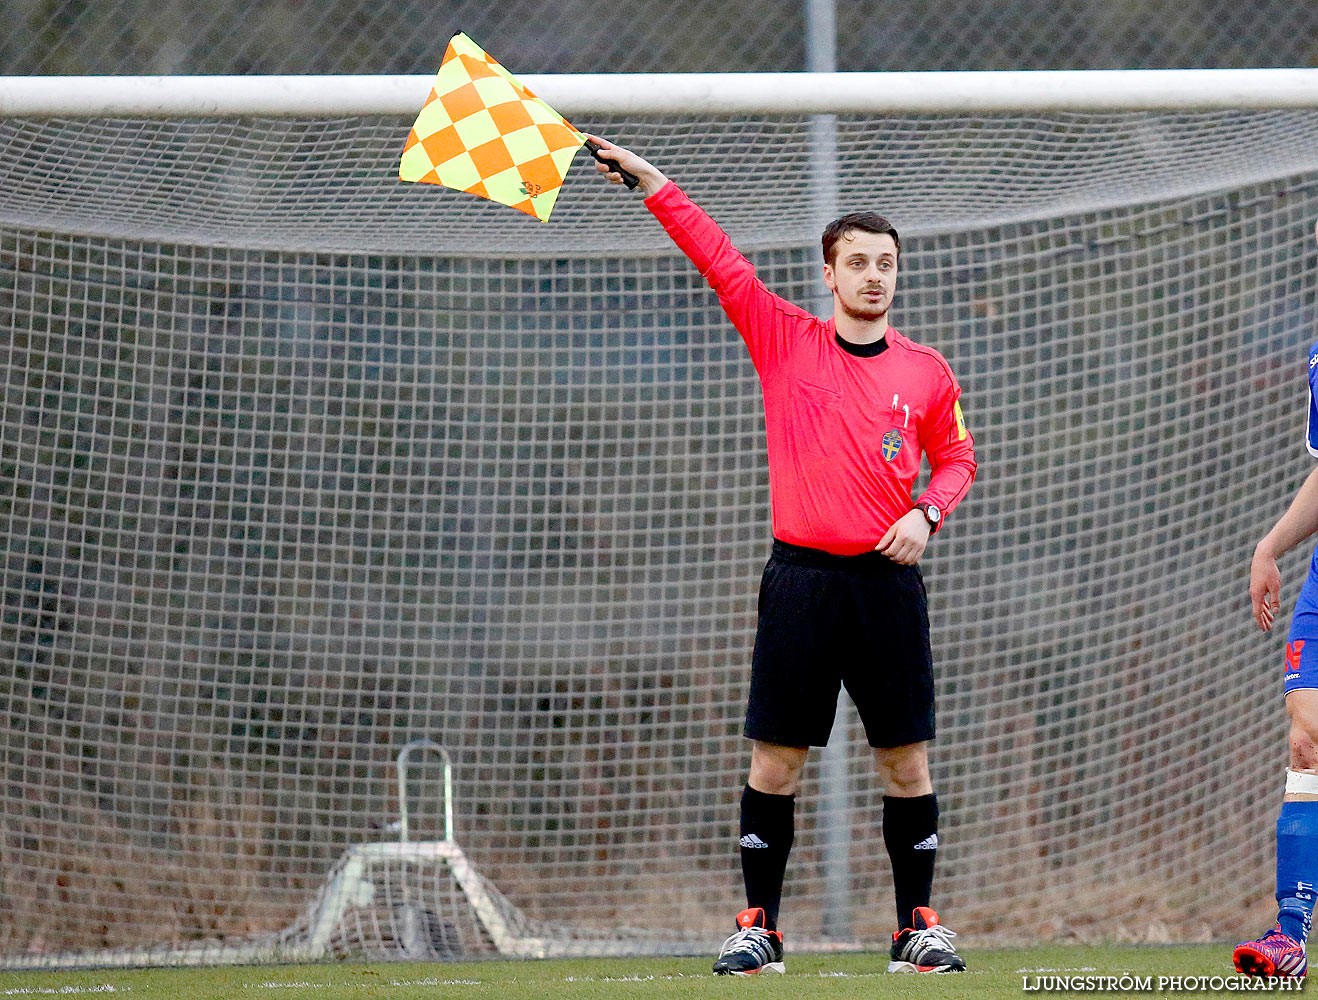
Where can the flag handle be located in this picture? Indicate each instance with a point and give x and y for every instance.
(628, 178)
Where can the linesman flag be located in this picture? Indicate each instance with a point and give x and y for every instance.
(481, 131)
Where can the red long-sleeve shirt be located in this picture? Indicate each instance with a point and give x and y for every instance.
(845, 433)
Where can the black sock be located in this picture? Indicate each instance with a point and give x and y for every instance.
(767, 829)
(910, 832)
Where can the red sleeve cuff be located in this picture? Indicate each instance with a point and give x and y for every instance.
(663, 196)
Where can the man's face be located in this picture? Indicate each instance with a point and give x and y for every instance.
(863, 274)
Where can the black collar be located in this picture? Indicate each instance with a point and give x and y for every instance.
(862, 350)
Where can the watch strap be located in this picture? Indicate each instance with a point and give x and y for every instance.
(923, 507)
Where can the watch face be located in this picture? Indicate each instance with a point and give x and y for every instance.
(933, 514)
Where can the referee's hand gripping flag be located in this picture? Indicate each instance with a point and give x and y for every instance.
(483, 132)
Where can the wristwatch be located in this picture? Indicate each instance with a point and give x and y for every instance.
(931, 514)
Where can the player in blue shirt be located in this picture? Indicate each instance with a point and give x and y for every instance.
(1280, 952)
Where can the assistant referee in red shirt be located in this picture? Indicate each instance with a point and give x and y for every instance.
(850, 405)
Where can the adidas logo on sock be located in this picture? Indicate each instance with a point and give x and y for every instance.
(750, 840)
(930, 843)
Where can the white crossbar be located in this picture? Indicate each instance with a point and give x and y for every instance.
(672, 93)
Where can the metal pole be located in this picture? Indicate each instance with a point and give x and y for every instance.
(834, 793)
(622, 94)
(404, 817)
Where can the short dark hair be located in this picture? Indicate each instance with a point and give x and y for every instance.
(866, 222)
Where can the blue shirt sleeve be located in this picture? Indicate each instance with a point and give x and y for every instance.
(1311, 426)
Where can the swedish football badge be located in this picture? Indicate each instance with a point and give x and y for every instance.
(960, 421)
(892, 444)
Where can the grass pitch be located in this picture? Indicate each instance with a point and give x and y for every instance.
(993, 974)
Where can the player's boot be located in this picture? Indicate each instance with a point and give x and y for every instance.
(925, 946)
(754, 948)
(1274, 954)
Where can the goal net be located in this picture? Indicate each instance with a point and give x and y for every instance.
(299, 464)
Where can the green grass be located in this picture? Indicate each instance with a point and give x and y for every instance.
(994, 974)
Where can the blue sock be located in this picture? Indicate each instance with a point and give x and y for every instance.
(1297, 867)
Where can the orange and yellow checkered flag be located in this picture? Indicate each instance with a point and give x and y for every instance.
(481, 131)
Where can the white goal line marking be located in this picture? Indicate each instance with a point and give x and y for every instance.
(271, 984)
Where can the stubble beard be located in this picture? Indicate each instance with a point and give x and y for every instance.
(863, 315)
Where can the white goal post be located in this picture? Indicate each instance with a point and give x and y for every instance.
(299, 465)
(663, 93)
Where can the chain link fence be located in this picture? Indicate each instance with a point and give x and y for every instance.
(273, 461)
(576, 36)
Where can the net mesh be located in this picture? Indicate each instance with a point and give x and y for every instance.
(187, 37)
(300, 464)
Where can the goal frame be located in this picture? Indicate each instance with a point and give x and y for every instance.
(1002, 91)
(820, 95)
(310, 939)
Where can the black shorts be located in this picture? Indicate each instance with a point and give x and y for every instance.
(826, 620)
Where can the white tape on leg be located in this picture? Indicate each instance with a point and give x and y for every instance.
(1301, 782)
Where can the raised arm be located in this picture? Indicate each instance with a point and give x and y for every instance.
(762, 318)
